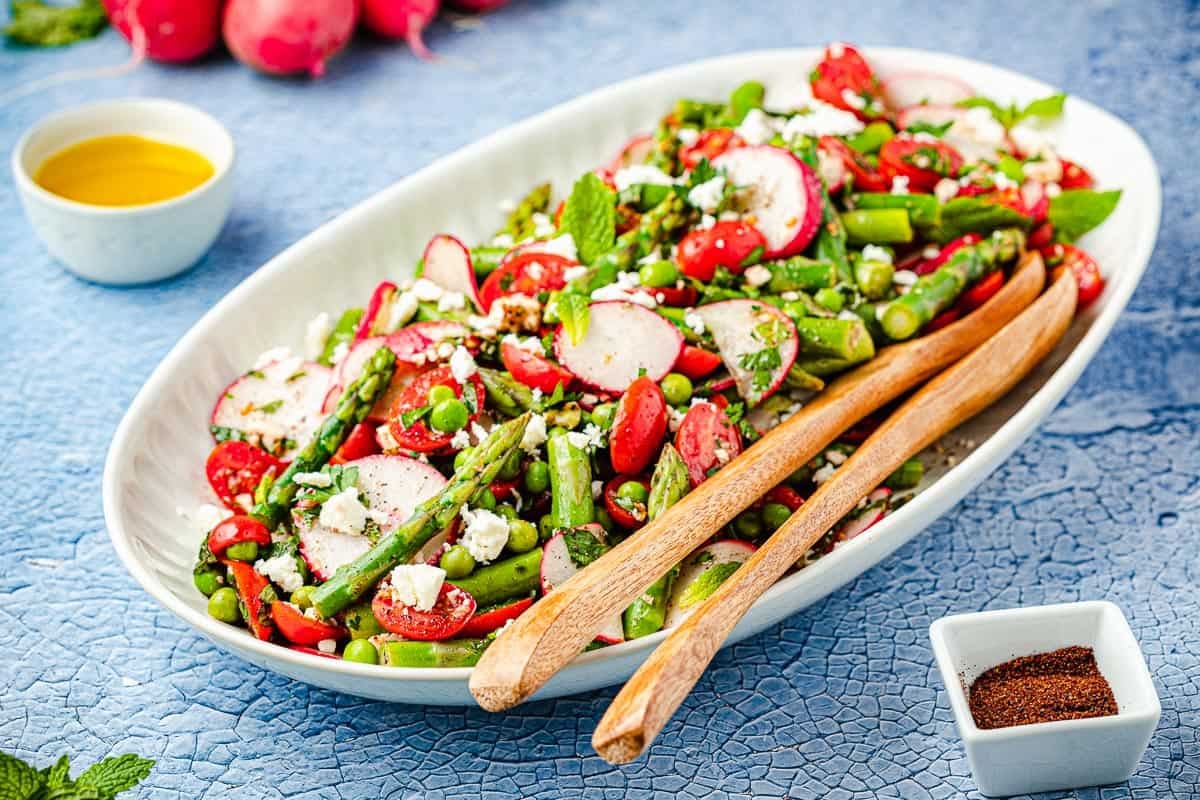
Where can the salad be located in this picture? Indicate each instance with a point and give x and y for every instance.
(442, 457)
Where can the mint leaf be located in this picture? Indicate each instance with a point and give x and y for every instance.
(590, 216)
(744, 98)
(1045, 108)
(18, 780)
(582, 546)
(928, 127)
(706, 583)
(1077, 211)
(75, 791)
(1011, 168)
(57, 775)
(40, 24)
(972, 215)
(1004, 115)
(573, 311)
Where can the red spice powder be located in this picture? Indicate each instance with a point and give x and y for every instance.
(1063, 684)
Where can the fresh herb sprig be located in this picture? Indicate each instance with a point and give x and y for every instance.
(103, 780)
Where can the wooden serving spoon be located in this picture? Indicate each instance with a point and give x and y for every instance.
(560, 625)
(655, 691)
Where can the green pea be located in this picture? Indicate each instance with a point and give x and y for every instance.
(632, 490)
(507, 511)
(484, 499)
(242, 551)
(512, 467)
(457, 562)
(360, 651)
(522, 536)
(537, 476)
(603, 414)
(605, 519)
(360, 621)
(545, 527)
(207, 582)
(439, 394)
(223, 605)
(748, 524)
(658, 274)
(830, 298)
(676, 389)
(461, 457)
(775, 514)
(449, 416)
(303, 596)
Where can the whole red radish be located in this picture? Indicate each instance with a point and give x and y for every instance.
(288, 37)
(401, 19)
(171, 30)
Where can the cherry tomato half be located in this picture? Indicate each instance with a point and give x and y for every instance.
(705, 430)
(490, 619)
(236, 468)
(866, 177)
(923, 163)
(534, 370)
(359, 444)
(619, 509)
(419, 436)
(844, 79)
(712, 143)
(684, 297)
(696, 362)
(449, 615)
(981, 292)
(235, 530)
(785, 495)
(1075, 176)
(249, 585)
(525, 273)
(638, 426)
(1086, 270)
(298, 629)
(726, 244)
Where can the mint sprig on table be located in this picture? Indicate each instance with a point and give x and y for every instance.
(40, 24)
(103, 780)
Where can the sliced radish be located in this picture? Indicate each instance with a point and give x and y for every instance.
(393, 486)
(743, 330)
(781, 192)
(908, 89)
(276, 407)
(636, 151)
(928, 115)
(691, 588)
(373, 322)
(877, 507)
(832, 169)
(419, 342)
(623, 340)
(448, 264)
(557, 568)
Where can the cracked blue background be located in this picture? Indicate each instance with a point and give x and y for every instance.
(843, 700)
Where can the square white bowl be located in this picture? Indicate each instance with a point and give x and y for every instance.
(1047, 756)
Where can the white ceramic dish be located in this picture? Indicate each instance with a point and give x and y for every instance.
(156, 460)
(1048, 756)
(127, 244)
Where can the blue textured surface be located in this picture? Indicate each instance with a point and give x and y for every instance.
(842, 701)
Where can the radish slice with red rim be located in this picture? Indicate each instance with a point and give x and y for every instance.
(832, 169)
(447, 263)
(276, 407)
(701, 573)
(757, 342)
(623, 340)
(907, 89)
(393, 486)
(782, 193)
(876, 509)
(558, 567)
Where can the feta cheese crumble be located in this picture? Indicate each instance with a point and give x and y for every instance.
(327, 645)
(899, 184)
(757, 275)
(874, 252)
(695, 322)
(821, 119)
(485, 534)
(462, 365)
(757, 127)
(904, 277)
(535, 434)
(344, 513)
(319, 480)
(590, 438)
(641, 173)
(426, 290)
(417, 585)
(708, 195)
(281, 570)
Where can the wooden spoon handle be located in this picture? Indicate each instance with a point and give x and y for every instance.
(655, 691)
(558, 627)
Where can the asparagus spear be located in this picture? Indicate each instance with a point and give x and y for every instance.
(907, 475)
(874, 278)
(801, 274)
(877, 226)
(668, 484)
(352, 408)
(922, 208)
(570, 484)
(834, 337)
(342, 333)
(937, 291)
(485, 258)
(797, 378)
(451, 653)
(480, 469)
(519, 224)
(505, 393)
(504, 580)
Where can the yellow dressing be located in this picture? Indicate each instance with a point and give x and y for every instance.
(123, 170)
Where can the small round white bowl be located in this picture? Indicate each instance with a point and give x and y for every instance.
(127, 244)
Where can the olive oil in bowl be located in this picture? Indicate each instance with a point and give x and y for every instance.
(123, 170)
